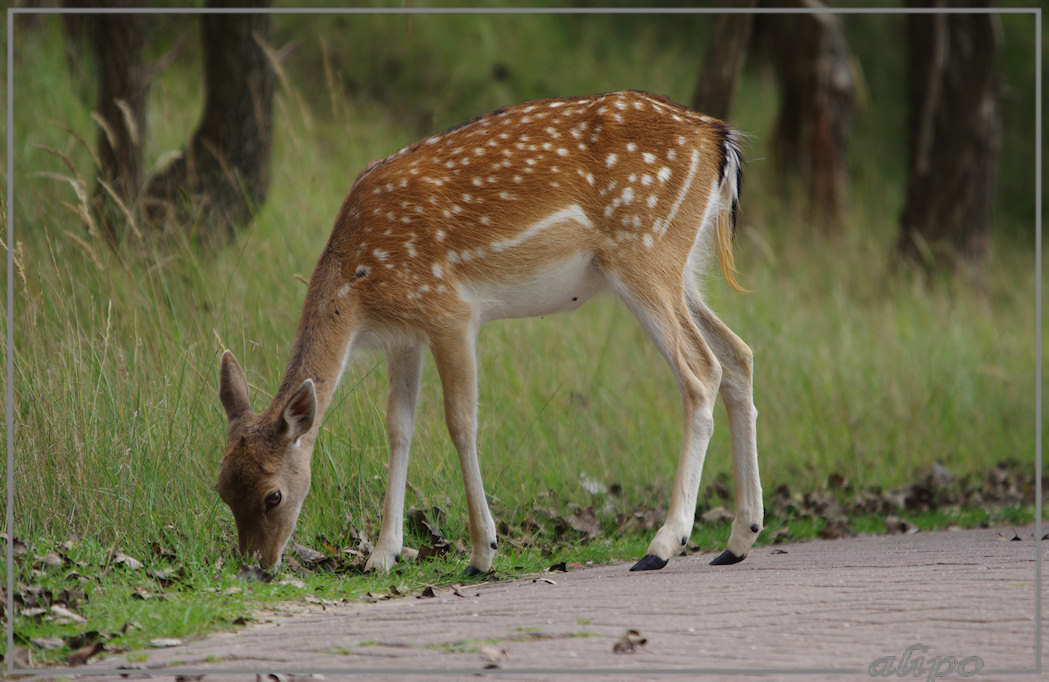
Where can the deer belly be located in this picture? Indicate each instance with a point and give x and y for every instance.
(562, 286)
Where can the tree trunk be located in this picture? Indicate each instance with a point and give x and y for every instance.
(222, 175)
(954, 137)
(117, 40)
(816, 95)
(723, 61)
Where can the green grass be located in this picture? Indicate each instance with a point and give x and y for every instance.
(862, 370)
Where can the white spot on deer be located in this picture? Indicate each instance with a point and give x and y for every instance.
(646, 179)
(485, 220)
(438, 272)
(620, 104)
(344, 290)
(379, 254)
(630, 146)
(561, 151)
(652, 200)
(439, 235)
(648, 241)
(517, 178)
(648, 157)
(554, 105)
(664, 174)
(681, 140)
(530, 162)
(628, 195)
(453, 257)
(611, 159)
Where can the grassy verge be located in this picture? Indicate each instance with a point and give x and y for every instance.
(867, 377)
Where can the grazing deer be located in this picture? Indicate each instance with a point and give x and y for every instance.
(526, 211)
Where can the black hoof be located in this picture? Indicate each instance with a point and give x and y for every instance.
(726, 558)
(472, 572)
(650, 562)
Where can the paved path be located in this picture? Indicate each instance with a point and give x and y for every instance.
(959, 601)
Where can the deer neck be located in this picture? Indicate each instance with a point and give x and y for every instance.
(322, 342)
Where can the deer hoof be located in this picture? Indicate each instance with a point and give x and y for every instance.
(649, 562)
(726, 558)
(473, 572)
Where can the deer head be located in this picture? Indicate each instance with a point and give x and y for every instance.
(265, 472)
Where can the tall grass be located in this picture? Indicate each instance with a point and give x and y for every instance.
(861, 369)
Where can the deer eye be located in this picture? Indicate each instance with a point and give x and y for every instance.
(273, 499)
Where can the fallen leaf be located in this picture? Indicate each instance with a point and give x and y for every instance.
(778, 551)
(426, 524)
(52, 560)
(293, 582)
(47, 643)
(585, 522)
(427, 593)
(717, 515)
(253, 573)
(81, 656)
(544, 580)
(894, 525)
(165, 642)
(559, 567)
(494, 655)
(629, 642)
(121, 559)
(308, 555)
(64, 615)
(82, 639)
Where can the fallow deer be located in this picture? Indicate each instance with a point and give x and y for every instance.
(525, 211)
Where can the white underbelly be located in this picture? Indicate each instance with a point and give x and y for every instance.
(563, 286)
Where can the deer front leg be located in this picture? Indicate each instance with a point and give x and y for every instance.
(404, 369)
(457, 365)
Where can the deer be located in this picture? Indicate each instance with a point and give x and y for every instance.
(529, 210)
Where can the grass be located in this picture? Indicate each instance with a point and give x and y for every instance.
(863, 371)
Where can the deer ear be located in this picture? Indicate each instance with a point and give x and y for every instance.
(300, 411)
(233, 388)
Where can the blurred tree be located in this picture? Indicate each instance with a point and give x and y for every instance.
(811, 59)
(117, 41)
(812, 63)
(954, 136)
(723, 60)
(222, 175)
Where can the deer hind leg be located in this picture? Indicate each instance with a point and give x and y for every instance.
(457, 366)
(698, 374)
(737, 390)
(404, 371)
